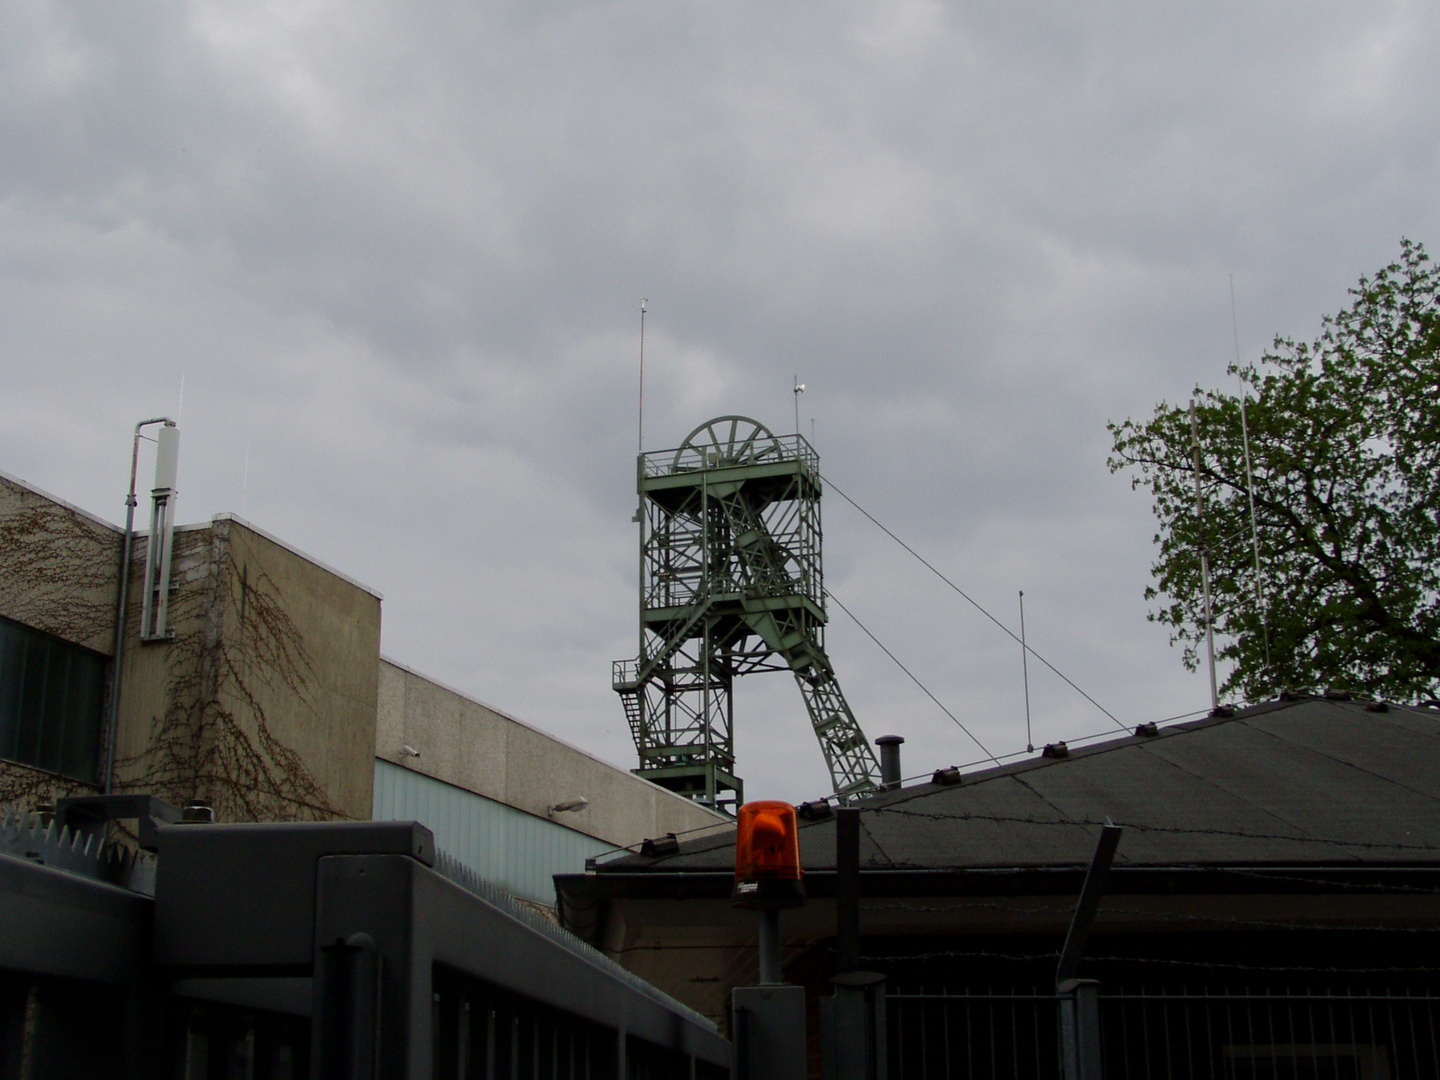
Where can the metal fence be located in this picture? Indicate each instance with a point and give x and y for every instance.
(1004, 1036)
(1184, 1035)
(1367, 1036)
(332, 950)
(485, 1033)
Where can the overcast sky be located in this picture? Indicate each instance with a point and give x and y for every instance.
(395, 252)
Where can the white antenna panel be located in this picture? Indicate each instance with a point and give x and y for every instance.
(167, 457)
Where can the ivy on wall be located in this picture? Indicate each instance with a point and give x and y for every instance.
(216, 739)
(236, 666)
(58, 573)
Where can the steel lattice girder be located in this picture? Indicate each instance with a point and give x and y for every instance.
(731, 583)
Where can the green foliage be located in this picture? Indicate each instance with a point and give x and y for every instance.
(1345, 449)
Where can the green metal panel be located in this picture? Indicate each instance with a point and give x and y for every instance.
(516, 851)
(731, 583)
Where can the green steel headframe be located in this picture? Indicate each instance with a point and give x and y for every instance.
(730, 583)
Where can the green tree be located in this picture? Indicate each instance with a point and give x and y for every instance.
(1344, 439)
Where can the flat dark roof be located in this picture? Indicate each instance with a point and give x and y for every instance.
(1314, 782)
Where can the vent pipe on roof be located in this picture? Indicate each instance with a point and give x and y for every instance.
(112, 722)
(889, 760)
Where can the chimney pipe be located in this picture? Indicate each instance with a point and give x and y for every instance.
(889, 760)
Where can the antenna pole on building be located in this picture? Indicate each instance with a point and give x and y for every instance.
(1025, 674)
(122, 603)
(1250, 488)
(155, 598)
(1204, 556)
(796, 391)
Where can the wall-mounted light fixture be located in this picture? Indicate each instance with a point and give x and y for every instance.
(569, 806)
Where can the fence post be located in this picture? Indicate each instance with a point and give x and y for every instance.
(852, 1021)
(768, 1025)
(1080, 1029)
(347, 999)
(1080, 998)
(363, 903)
(847, 889)
(852, 1028)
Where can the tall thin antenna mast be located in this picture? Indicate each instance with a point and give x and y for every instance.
(1204, 556)
(797, 390)
(1025, 673)
(639, 517)
(641, 425)
(1250, 486)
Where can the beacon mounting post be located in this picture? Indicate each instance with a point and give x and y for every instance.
(768, 1020)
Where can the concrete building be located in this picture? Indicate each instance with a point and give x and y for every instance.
(266, 696)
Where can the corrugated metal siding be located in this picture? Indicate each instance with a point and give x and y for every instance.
(516, 851)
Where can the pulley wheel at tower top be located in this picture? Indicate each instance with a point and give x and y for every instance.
(726, 441)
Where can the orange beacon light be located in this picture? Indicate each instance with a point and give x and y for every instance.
(767, 855)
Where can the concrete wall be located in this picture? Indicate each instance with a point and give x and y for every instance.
(518, 852)
(59, 573)
(475, 747)
(263, 702)
(336, 623)
(59, 566)
(271, 699)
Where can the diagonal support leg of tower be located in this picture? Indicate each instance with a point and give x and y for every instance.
(790, 630)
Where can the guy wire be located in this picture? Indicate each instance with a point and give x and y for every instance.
(913, 679)
(976, 605)
(1250, 485)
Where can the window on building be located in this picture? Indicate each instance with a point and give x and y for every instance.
(52, 701)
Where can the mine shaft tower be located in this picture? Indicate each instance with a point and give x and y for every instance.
(730, 583)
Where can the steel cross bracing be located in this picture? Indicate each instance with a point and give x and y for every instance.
(731, 583)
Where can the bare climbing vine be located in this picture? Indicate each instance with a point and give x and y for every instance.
(22, 788)
(235, 667)
(58, 573)
(215, 740)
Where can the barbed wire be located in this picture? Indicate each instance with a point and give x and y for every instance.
(1139, 827)
(1352, 886)
(903, 810)
(1142, 827)
(1109, 909)
(1215, 965)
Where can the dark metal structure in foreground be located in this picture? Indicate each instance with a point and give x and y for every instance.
(731, 583)
(1268, 1032)
(272, 952)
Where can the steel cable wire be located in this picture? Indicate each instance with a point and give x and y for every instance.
(975, 604)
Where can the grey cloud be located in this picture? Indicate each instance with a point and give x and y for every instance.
(396, 252)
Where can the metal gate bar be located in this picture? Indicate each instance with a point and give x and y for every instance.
(1179, 1035)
